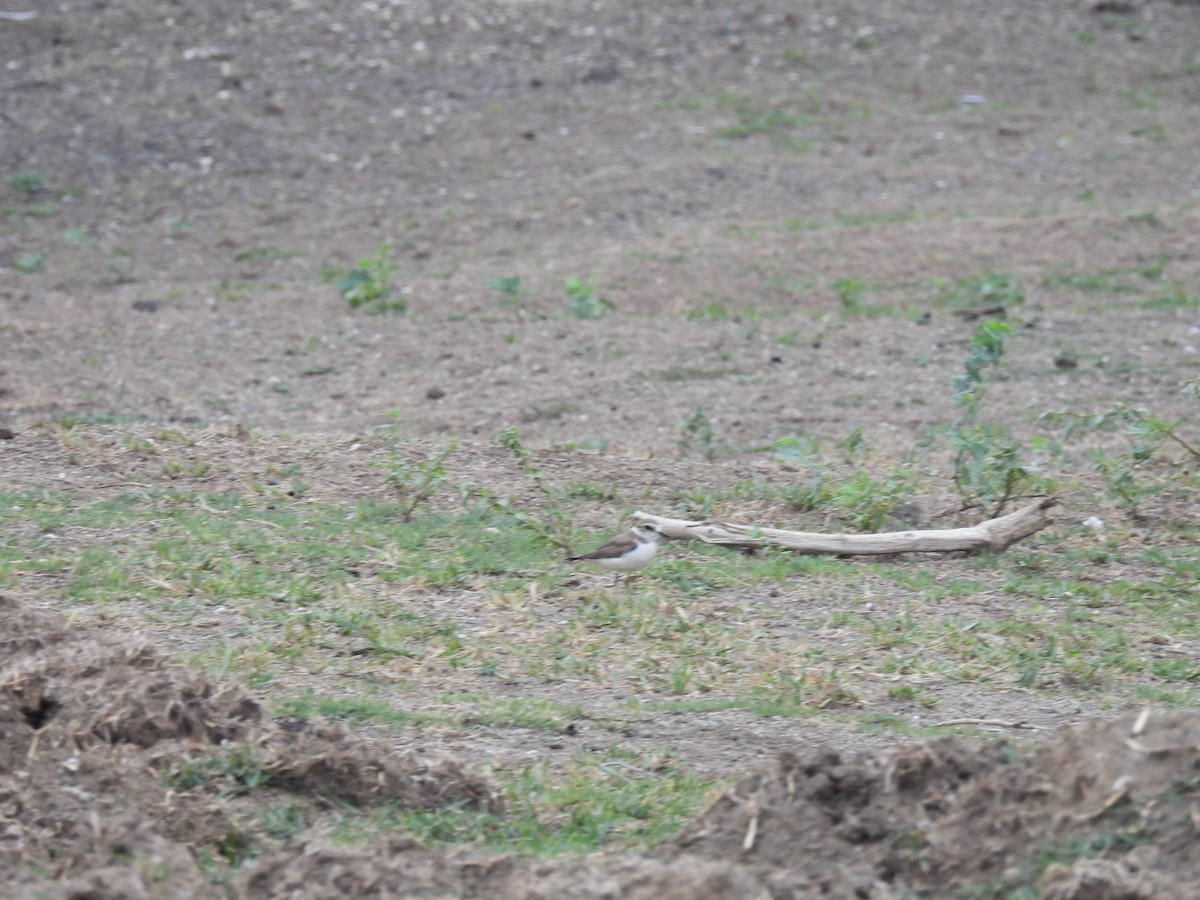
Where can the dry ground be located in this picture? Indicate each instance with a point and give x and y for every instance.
(783, 209)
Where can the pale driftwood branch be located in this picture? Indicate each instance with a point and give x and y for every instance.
(994, 534)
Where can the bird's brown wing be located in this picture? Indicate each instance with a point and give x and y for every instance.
(615, 548)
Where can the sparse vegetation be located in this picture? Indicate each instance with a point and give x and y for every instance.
(27, 183)
(509, 288)
(554, 525)
(850, 292)
(611, 800)
(697, 435)
(1130, 477)
(988, 464)
(413, 481)
(30, 262)
(991, 290)
(584, 302)
(369, 284)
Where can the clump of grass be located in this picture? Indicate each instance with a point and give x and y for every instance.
(584, 302)
(868, 501)
(865, 498)
(27, 183)
(697, 435)
(263, 253)
(756, 117)
(1105, 281)
(234, 770)
(1172, 297)
(614, 800)
(813, 490)
(509, 288)
(1129, 476)
(991, 290)
(29, 263)
(850, 293)
(122, 262)
(554, 524)
(413, 481)
(988, 466)
(369, 284)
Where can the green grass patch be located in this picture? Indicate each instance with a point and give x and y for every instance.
(755, 116)
(614, 800)
(459, 612)
(985, 291)
(1105, 281)
(1172, 297)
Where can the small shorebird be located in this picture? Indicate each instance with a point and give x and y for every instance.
(627, 552)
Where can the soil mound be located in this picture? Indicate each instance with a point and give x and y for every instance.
(122, 775)
(943, 816)
(937, 818)
(121, 772)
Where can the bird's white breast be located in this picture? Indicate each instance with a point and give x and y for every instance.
(638, 558)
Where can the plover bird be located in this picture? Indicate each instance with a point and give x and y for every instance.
(628, 552)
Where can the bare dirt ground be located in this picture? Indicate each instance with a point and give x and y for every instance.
(773, 200)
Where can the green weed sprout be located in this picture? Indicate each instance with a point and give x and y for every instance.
(555, 526)
(509, 287)
(698, 434)
(28, 183)
(1124, 472)
(583, 300)
(369, 284)
(415, 482)
(988, 469)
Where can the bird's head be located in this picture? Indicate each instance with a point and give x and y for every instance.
(648, 531)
